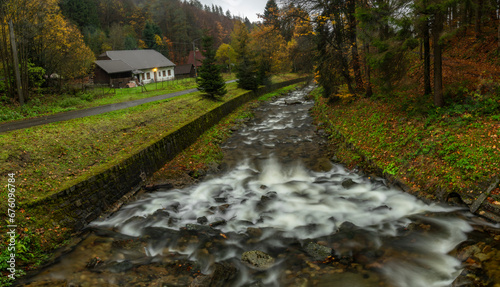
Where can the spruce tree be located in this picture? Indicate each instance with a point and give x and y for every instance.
(246, 69)
(210, 80)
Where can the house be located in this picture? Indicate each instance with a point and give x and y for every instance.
(199, 58)
(184, 71)
(117, 68)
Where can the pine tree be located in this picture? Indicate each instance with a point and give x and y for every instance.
(271, 14)
(246, 68)
(210, 80)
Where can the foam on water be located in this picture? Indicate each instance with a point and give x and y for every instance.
(301, 204)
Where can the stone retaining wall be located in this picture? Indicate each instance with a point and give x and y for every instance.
(76, 206)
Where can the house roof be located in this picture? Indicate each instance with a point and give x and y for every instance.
(183, 69)
(139, 59)
(113, 66)
(199, 58)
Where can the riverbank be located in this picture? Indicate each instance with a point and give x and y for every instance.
(437, 157)
(50, 155)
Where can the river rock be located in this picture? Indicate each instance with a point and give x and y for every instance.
(94, 262)
(201, 229)
(49, 283)
(317, 251)
(258, 259)
(348, 183)
(218, 222)
(118, 267)
(160, 214)
(222, 275)
(265, 199)
(202, 220)
(155, 232)
(483, 257)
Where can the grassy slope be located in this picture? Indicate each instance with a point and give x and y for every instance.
(434, 151)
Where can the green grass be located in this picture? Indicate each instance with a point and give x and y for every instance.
(47, 104)
(448, 149)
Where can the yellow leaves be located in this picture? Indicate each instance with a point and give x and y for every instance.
(141, 44)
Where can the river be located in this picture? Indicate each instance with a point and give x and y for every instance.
(280, 214)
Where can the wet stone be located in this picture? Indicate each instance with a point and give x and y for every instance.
(202, 220)
(160, 214)
(348, 183)
(94, 262)
(118, 267)
(200, 228)
(257, 259)
(223, 208)
(221, 276)
(218, 222)
(317, 251)
(220, 199)
(159, 232)
(254, 232)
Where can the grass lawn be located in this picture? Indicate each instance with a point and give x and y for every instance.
(46, 104)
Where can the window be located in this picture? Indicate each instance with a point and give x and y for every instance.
(169, 74)
(148, 75)
(164, 74)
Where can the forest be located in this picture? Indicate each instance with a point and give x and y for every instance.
(61, 39)
(354, 47)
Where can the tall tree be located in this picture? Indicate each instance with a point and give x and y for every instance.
(353, 39)
(437, 29)
(246, 67)
(422, 14)
(226, 56)
(150, 33)
(271, 14)
(210, 80)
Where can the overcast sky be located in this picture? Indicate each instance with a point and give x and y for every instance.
(243, 8)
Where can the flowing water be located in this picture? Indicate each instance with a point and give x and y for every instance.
(280, 215)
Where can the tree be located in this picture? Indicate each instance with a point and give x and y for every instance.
(422, 15)
(271, 14)
(210, 80)
(226, 56)
(437, 29)
(46, 39)
(82, 12)
(246, 69)
(150, 33)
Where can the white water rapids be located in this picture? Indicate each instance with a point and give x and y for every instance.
(272, 190)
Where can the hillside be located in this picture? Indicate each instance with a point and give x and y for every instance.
(437, 153)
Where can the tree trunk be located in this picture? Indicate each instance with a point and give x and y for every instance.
(16, 64)
(479, 16)
(427, 58)
(5, 55)
(438, 61)
(354, 46)
(369, 91)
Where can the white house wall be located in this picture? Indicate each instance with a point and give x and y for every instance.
(160, 77)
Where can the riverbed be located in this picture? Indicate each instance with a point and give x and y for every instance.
(281, 213)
